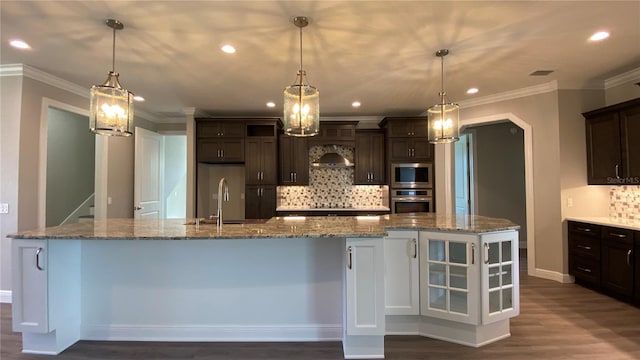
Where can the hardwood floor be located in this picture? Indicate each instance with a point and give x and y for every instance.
(557, 321)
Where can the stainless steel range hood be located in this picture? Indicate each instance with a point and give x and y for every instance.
(332, 160)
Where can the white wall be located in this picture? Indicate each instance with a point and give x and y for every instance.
(175, 177)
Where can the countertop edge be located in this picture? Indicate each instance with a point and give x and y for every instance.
(605, 221)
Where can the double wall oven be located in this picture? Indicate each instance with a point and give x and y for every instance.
(412, 187)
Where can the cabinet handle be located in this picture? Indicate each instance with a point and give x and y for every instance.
(291, 176)
(38, 259)
(473, 254)
(584, 229)
(409, 151)
(349, 259)
(584, 269)
(218, 153)
(295, 177)
(617, 173)
(261, 175)
(629, 257)
(486, 253)
(415, 248)
(584, 247)
(222, 152)
(373, 176)
(622, 236)
(258, 175)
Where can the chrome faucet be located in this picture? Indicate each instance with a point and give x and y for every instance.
(223, 191)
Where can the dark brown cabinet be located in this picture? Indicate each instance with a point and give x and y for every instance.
(369, 157)
(613, 152)
(636, 287)
(584, 253)
(294, 160)
(260, 201)
(617, 262)
(405, 126)
(335, 133)
(410, 150)
(261, 165)
(220, 141)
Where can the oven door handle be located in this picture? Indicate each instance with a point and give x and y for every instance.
(411, 199)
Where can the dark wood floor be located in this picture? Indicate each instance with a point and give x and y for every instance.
(557, 321)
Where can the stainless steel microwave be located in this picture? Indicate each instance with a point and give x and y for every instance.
(412, 175)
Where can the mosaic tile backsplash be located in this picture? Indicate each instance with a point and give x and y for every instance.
(331, 188)
(624, 202)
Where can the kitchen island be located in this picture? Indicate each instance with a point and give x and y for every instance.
(288, 279)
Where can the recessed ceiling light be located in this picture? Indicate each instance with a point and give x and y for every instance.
(356, 104)
(19, 44)
(472, 91)
(228, 49)
(600, 35)
(138, 98)
(271, 104)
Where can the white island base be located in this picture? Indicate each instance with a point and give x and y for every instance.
(278, 289)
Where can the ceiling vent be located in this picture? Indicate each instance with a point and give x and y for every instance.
(541, 73)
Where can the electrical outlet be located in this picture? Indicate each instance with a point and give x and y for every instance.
(4, 208)
(569, 202)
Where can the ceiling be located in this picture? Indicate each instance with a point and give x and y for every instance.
(381, 53)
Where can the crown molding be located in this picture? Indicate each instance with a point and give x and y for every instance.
(624, 78)
(43, 77)
(509, 95)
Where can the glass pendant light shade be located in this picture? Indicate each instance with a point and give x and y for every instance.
(301, 108)
(443, 118)
(443, 123)
(111, 108)
(301, 100)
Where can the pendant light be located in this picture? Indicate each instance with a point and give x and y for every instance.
(111, 110)
(301, 100)
(443, 117)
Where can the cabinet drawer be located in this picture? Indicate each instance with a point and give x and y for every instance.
(584, 246)
(621, 235)
(585, 270)
(585, 229)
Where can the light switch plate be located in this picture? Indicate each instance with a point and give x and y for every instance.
(4, 208)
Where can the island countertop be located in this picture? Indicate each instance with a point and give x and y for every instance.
(277, 227)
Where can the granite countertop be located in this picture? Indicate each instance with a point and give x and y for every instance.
(607, 221)
(277, 227)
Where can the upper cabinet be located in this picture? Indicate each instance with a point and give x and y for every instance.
(335, 133)
(613, 152)
(369, 161)
(407, 139)
(220, 141)
(294, 160)
(261, 150)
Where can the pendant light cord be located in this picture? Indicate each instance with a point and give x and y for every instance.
(442, 79)
(301, 68)
(113, 59)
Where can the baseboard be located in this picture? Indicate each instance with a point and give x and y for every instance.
(294, 333)
(553, 275)
(6, 296)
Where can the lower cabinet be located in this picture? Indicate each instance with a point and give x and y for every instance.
(365, 286)
(30, 286)
(469, 278)
(584, 253)
(617, 262)
(401, 273)
(260, 201)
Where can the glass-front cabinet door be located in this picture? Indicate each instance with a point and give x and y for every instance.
(449, 278)
(500, 279)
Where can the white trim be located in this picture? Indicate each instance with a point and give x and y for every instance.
(624, 78)
(6, 296)
(42, 157)
(75, 213)
(11, 70)
(509, 95)
(528, 176)
(242, 333)
(101, 177)
(551, 275)
(39, 75)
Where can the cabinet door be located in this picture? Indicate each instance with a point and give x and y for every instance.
(232, 150)
(603, 148)
(232, 128)
(260, 202)
(400, 149)
(253, 163)
(402, 285)
(362, 173)
(500, 277)
(30, 286)
(637, 267)
(422, 150)
(377, 159)
(617, 262)
(630, 126)
(449, 277)
(252, 202)
(269, 154)
(300, 161)
(208, 151)
(267, 202)
(260, 164)
(365, 286)
(400, 127)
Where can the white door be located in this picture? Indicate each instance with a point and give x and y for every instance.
(463, 175)
(401, 283)
(149, 170)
